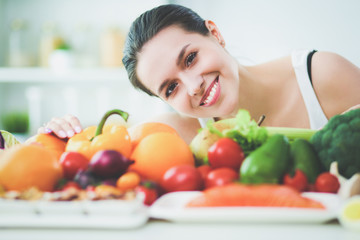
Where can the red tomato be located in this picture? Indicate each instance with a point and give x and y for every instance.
(220, 177)
(182, 178)
(298, 181)
(327, 182)
(226, 153)
(150, 194)
(72, 162)
(204, 170)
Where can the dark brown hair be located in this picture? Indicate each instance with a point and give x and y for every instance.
(147, 25)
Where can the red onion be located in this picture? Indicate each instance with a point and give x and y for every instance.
(109, 164)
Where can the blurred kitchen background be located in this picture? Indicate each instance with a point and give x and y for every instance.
(59, 57)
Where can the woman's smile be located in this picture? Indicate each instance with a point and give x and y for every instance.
(212, 94)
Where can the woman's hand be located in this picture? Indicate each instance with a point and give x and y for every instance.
(64, 127)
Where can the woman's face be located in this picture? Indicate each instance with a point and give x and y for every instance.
(191, 72)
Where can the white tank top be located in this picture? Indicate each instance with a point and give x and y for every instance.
(316, 115)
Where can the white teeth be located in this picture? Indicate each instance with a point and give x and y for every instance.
(211, 94)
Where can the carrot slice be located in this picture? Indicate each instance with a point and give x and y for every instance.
(264, 195)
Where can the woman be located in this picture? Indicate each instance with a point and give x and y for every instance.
(174, 54)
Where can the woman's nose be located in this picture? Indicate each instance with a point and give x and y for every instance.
(194, 91)
(194, 85)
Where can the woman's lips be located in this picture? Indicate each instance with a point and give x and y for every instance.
(212, 93)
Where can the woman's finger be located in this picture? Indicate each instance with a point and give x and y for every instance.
(74, 123)
(61, 127)
(44, 130)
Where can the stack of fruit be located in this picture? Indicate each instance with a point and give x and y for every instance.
(101, 162)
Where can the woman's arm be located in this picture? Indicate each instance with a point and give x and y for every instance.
(336, 82)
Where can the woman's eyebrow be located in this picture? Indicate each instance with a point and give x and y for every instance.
(178, 61)
(181, 54)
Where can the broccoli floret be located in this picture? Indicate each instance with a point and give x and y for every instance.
(339, 141)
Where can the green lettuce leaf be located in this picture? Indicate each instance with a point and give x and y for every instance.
(246, 132)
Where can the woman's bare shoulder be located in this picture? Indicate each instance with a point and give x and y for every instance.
(331, 65)
(272, 71)
(336, 82)
(186, 127)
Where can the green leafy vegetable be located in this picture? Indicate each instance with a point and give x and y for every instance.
(250, 136)
(339, 141)
(245, 132)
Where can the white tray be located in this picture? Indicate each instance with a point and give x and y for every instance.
(121, 214)
(171, 207)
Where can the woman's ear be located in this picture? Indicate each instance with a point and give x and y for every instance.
(214, 31)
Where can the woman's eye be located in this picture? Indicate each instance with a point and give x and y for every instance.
(190, 58)
(170, 89)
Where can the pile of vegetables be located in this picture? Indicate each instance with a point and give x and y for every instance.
(290, 156)
(226, 151)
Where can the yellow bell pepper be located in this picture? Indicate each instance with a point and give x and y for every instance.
(108, 137)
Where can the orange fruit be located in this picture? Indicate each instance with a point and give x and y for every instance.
(138, 132)
(54, 144)
(158, 152)
(25, 166)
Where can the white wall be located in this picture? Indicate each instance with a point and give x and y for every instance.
(261, 30)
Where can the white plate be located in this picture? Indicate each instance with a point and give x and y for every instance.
(171, 206)
(134, 220)
(121, 214)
